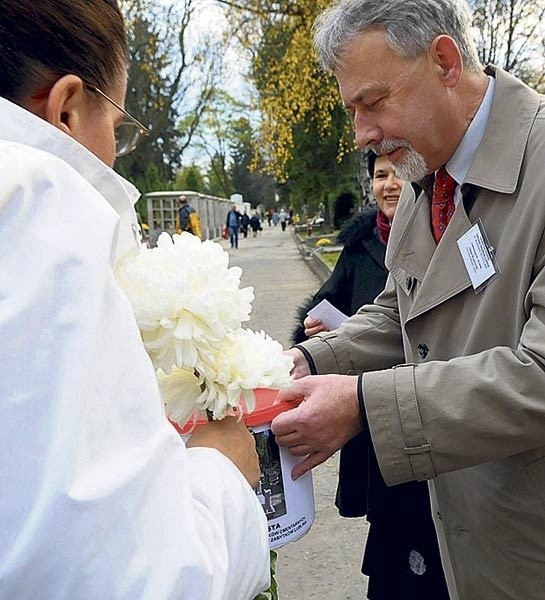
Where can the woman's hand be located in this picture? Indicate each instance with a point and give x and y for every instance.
(313, 326)
(300, 364)
(231, 438)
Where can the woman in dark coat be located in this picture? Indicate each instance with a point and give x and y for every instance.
(401, 555)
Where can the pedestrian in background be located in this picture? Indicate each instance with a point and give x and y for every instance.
(283, 218)
(100, 496)
(232, 222)
(446, 368)
(188, 218)
(255, 223)
(244, 223)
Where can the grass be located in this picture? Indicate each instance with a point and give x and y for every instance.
(330, 258)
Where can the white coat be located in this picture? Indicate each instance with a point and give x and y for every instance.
(100, 498)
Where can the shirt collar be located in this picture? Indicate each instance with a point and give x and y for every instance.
(460, 162)
(21, 126)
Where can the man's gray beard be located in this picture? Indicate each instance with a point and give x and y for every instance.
(411, 166)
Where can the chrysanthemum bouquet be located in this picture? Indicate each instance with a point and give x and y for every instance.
(189, 307)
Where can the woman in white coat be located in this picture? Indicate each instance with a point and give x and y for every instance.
(100, 497)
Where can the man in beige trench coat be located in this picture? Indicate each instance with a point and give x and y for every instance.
(453, 351)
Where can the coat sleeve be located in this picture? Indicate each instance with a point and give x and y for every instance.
(100, 498)
(441, 416)
(490, 405)
(492, 401)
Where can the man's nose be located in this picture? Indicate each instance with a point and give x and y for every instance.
(366, 131)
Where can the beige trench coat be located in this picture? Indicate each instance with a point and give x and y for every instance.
(467, 407)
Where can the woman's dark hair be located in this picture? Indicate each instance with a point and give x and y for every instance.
(371, 159)
(42, 40)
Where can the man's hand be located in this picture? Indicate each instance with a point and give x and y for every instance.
(300, 368)
(232, 438)
(313, 326)
(326, 419)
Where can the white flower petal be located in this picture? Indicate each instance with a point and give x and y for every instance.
(179, 392)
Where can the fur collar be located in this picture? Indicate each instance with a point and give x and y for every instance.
(359, 228)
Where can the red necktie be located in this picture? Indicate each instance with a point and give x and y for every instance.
(442, 202)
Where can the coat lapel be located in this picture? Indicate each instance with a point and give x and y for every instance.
(446, 274)
(411, 245)
(412, 254)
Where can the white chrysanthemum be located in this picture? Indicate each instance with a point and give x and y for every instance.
(189, 308)
(185, 297)
(246, 360)
(254, 360)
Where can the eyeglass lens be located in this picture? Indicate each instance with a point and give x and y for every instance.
(127, 135)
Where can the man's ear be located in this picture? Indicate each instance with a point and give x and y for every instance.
(66, 104)
(447, 59)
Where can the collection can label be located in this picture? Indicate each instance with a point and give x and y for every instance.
(288, 504)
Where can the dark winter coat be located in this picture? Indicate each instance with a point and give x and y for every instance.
(359, 274)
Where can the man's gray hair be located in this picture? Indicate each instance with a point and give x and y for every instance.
(410, 27)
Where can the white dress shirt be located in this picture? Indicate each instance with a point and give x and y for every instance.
(100, 498)
(459, 163)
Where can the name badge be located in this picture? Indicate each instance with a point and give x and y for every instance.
(478, 256)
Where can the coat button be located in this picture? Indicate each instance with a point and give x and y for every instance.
(423, 350)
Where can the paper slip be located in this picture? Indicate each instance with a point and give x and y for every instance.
(330, 316)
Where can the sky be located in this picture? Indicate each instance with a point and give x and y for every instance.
(209, 19)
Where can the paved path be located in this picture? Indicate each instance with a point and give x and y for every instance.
(325, 564)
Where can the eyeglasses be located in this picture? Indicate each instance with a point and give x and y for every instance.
(128, 132)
